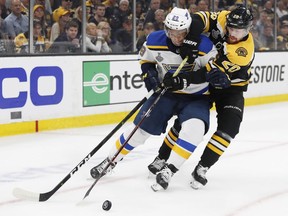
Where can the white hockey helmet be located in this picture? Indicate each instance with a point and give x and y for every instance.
(178, 19)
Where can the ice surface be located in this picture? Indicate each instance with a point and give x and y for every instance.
(251, 178)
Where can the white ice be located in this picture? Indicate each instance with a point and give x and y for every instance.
(251, 178)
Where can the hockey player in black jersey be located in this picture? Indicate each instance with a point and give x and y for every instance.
(229, 31)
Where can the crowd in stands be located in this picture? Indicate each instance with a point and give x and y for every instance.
(58, 25)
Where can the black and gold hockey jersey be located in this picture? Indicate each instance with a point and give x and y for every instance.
(233, 59)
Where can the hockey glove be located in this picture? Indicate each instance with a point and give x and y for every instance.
(151, 80)
(218, 79)
(176, 83)
(189, 48)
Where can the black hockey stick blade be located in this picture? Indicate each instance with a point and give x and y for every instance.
(41, 197)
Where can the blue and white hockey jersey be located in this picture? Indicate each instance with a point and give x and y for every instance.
(159, 50)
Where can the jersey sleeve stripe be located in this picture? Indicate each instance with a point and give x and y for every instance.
(157, 47)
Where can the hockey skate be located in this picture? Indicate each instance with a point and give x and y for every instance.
(164, 177)
(156, 165)
(96, 172)
(199, 177)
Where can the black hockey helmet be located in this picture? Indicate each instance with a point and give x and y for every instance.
(240, 18)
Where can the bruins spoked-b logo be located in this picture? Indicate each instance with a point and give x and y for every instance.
(241, 51)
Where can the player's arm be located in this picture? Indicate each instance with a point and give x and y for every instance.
(236, 63)
(215, 77)
(148, 66)
(191, 42)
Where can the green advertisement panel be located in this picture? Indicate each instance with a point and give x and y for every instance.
(96, 83)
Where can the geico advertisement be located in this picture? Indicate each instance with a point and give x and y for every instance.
(42, 86)
(269, 75)
(112, 82)
(33, 92)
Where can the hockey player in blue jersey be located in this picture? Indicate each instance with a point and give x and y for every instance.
(159, 58)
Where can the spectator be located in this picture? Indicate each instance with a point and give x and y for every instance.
(148, 28)
(202, 5)
(78, 19)
(67, 42)
(47, 11)
(182, 4)
(263, 19)
(282, 38)
(267, 38)
(39, 14)
(124, 35)
(95, 41)
(119, 15)
(46, 3)
(25, 7)
(192, 8)
(92, 4)
(76, 4)
(4, 10)
(159, 19)
(284, 17)
(166, 5)
(61, 17)
(65, 4)
(268, 8)
(145, 5)
(217, 6)
(139, 29)
(2, 29)
(150, 15)
(5, 44)
(16, 23)
(22, 40)
(281, 10)
(110, 7)
(139, 11)
(99, 14)
(189, 2)
(106, 31)
(257, 42)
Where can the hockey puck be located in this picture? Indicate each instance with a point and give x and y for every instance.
(106, 205)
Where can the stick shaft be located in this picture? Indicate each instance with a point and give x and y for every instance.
(24, 194)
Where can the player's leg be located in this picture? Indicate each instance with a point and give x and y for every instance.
(193, 117)
(155, 124)
(165, 149)
(229, 117)
(184, 147)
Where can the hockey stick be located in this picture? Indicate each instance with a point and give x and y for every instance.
(133, 131)
(24, 194)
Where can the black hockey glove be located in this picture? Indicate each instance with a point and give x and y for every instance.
(218, 79)
(189, 48)
(179, 82)
(151, 80)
